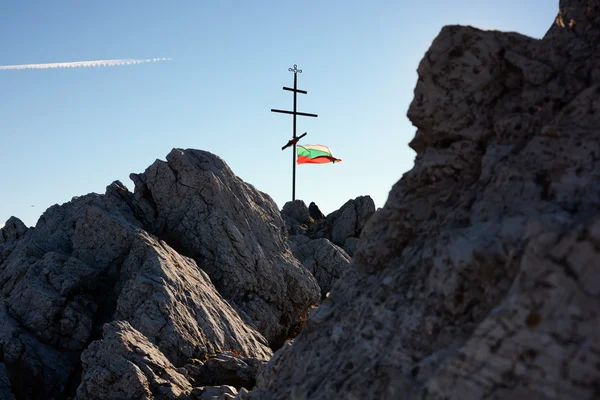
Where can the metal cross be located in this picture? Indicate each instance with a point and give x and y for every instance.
(295, 138)
(295, 70)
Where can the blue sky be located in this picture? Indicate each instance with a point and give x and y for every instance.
(68, 132)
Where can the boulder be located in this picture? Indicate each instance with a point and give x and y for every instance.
(196, 204)
(350, 220)
(125, 365)
(325, 261)
(351, 245)
(315, 212)
(478, 278)
(223, 392)
(88, 262)
(297, 210)
(226, 368)
(13, 229)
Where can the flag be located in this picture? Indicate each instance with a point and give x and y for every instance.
(315, 154)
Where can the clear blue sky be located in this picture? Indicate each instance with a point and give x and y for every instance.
(68, 132)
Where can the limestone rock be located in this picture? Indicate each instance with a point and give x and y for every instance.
(350, 220)
(297, 210)
(453, 292)
(125, 365)
(13, 229)
(226, 368)
(351, 245)
(297, 240)
(325, 261)
(543, 339)
(223, 392)
(315, 212)
(196, 204)
(88, 262)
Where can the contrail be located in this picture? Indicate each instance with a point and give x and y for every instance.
(80, 64)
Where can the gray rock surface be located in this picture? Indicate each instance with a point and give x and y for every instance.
(325, 261)
(454, 292)
(351, 245)
(125, 365)
(196, 204)
(350, 220)
(223, 392)
(92, 261)
(226, 368)
(297, 210)
(13, 229)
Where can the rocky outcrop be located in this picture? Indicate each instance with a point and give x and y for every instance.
(297, 211)
(315, 212)
(92, 261)
(196, 204)
(13, 229)
(125, 365)
(226, 368)
(325, 261)
(350, 220)
(478, 277)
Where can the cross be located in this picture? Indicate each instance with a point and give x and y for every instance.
(295, 138)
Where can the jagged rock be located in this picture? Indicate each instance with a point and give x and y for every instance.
(351, 245)
(13, 229)
(293, 227)
(5, 390)
(203, 210)
(451, 295)
(88, 262)
(226, 368)
(315, 212)
(125, 365)
(297, 210)
(297, 240)
(543, 338)
(326, 261)
(223, 392)
(350, 220)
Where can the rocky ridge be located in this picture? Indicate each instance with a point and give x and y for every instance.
(192, 265)
(479, 276)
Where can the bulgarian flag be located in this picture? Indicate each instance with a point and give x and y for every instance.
(315, 154)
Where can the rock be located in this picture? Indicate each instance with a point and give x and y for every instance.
(478, 278)
(325, 261)
(297, 240)
(125, 365)
(350, 220)
(314, 212)
(351, 245)
(293, 227)
(197, 205)
(226, 368)
(13, 229)
(88, 262)
(297, 210)
(223, 392)
(553, 290)
(5, 389)
(243, 394)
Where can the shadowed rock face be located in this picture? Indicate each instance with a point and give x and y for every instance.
(478, 278)
(93, 260)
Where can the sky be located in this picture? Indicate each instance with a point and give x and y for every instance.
(66, 132)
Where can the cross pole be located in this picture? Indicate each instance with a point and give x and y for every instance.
(295, 138)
